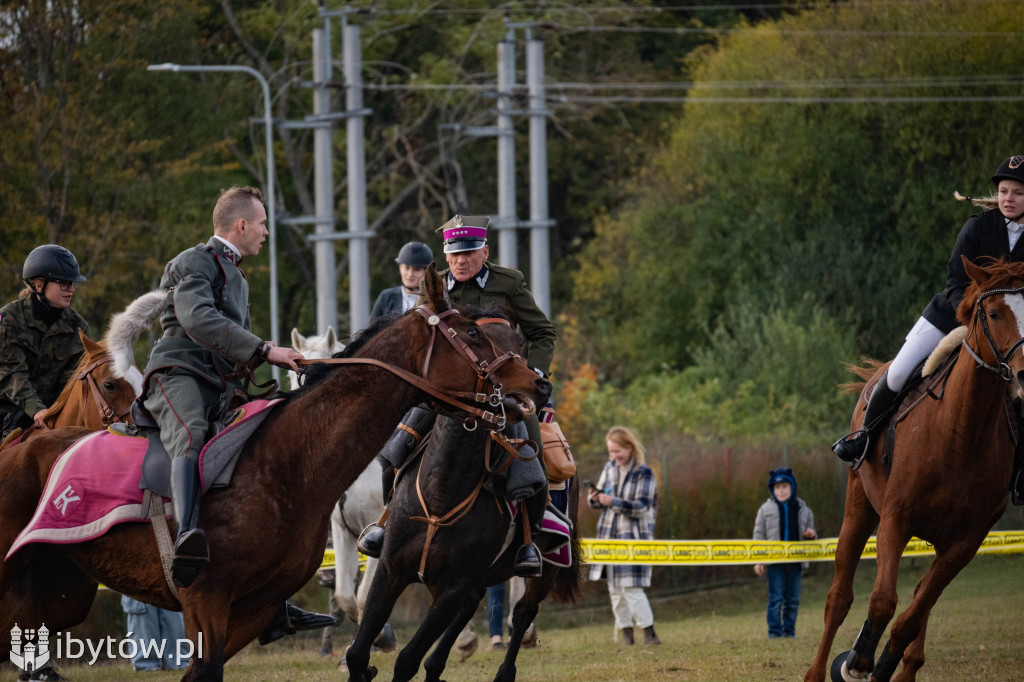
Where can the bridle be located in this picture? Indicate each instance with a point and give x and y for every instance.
(484, 369)
(107, 414)
(1002, 368)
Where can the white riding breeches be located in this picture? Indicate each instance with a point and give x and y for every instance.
(921, 341)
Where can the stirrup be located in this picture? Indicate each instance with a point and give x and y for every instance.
(846, 448)
(371, 540)
(528, 562)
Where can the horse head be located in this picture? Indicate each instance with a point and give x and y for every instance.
(450, 351)
(314, 348)
(993, 309)
(95, 396)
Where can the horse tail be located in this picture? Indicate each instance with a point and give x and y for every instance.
(865, 371)
(568, 582)
(127, 326)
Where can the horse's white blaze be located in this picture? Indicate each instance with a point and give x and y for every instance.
(1015, 302)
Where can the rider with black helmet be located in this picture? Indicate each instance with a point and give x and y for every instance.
(413, 259)
(994, 233)
(39, 337)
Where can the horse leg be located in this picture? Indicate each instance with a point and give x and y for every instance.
(859, 521)
(346, 568)
(450, 602)
(207, 617)
(435, 663)
(909, 625)
(384, 592)
(913, 657)
(523, 613)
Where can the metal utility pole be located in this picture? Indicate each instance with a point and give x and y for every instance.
(359, 247)
(540, 260)
(507, 241)
(323, 186)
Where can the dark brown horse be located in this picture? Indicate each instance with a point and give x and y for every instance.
(267, 529)
(95, 396)
(469, 548)
(948, 484)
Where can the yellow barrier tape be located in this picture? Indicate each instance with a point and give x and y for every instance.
(739, 552)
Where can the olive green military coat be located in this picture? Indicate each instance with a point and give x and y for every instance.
(507, 287)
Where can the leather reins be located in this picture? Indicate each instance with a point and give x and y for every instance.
(484, 370)
(107, 414)
(1002, 370)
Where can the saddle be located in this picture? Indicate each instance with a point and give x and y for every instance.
(928, 380)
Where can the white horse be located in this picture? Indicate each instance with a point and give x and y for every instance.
(361, 505)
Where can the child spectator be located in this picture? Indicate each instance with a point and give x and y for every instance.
(783, 516)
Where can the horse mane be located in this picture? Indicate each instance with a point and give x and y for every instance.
(65, 393)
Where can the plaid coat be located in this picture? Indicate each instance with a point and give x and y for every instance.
(631, 517)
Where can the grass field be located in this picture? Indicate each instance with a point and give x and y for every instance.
(975, 634)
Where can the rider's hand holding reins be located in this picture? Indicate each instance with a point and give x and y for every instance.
(282, 357)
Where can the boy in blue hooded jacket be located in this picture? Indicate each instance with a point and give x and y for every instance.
(783, 516)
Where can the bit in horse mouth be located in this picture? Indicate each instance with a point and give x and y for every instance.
(524, 403)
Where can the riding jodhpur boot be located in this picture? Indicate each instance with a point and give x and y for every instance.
(528, 560)
(880, 406)
(649, 636)
(289, 619)
(627, 636)
(416, 424)
(190, 549)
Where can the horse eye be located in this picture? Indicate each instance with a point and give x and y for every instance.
(993, 315)
(110, 386)
(473, 332)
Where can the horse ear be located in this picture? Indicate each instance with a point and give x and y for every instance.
(298, 340)
(87, 343)
(330, 339)
(976, 273)
(433, 289)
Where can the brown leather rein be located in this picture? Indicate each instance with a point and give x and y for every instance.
(484, 369)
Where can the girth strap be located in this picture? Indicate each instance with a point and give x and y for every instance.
(434, 523)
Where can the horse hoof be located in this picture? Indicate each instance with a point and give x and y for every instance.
(386, 640)
(840, 673)
(371, 672)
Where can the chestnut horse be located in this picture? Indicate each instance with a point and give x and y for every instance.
(267, 530)
(95, 396)
(465, 547)
(949, 482)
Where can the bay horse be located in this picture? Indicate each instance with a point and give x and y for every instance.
(447, 532)
(948, 484)
(96, 395)
(267, 530)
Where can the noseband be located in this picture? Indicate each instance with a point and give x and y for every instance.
(484, 369)
(107, 413)
(1002, 368)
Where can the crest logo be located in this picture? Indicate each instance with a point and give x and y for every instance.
(32, 653)
(62, 501)
(1016, 161)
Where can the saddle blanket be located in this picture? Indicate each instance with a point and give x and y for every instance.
(559, 553)
(94, 484)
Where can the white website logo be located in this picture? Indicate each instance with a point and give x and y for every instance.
(35, 652)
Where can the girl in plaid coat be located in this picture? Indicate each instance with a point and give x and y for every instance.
(628, 495)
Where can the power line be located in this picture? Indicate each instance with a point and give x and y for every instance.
(786, 32)
(780, 100)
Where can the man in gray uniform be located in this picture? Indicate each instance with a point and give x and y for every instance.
(206, 340)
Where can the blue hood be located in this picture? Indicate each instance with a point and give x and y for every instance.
(782, 475)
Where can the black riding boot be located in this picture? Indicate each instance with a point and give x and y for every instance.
(290, 618)
(190, 549)
(528, 560)
(416, 424)
(880, 406)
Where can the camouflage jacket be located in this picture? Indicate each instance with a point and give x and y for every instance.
(206, 322)
(507, 287)
(36, 361)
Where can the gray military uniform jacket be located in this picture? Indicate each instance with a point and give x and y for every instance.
(206, 322)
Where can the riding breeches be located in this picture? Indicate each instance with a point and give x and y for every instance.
(183, 407)
(921, 341)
